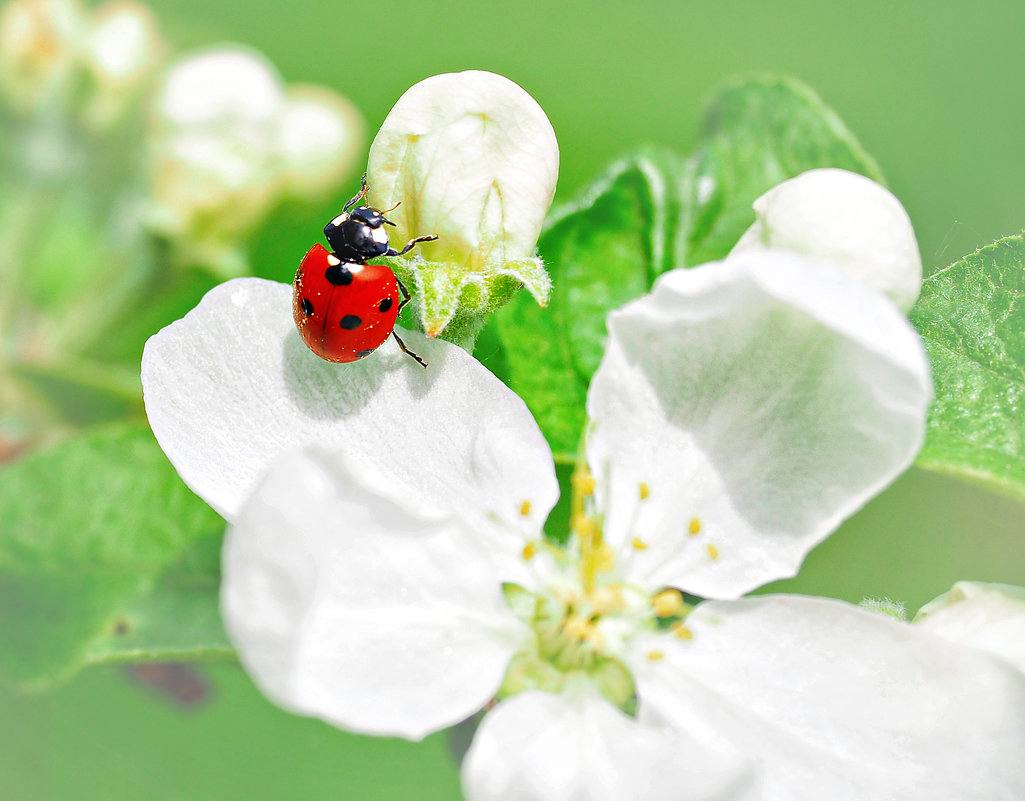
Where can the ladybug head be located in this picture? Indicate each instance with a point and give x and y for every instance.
(372, 217)
(358, 235)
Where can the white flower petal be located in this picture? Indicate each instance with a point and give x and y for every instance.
(123, 42)
(763, 400)
(231, 386)
(986, 616)
(846, 221)
(576, 746)
(838, 703)
(347, 603)
(474, 160)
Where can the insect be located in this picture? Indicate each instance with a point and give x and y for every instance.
(343, 307)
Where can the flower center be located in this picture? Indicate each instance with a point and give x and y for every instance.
(585, 614)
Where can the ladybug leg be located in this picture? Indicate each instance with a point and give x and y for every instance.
(407, 351)
(359, 195)
(405, 294)
(402, 304)
(410, 245)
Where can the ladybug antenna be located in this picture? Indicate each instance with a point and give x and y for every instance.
(386, 211)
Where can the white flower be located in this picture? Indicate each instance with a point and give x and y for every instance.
(846, 221)
(473, 160)
(229, 139)
(385, 571)
(986, 616)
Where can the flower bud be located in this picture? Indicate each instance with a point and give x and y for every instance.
(214, 173)
(846, 221)
(318, 137)
(39, 47)
(122, 49)
(472, 159)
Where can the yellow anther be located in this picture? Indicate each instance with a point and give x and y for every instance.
(606, 600)
(639, 544)
(644, 490)
(583, 481)
(604, 558)
(695, 525)
(529, 550)
(654, 656)
(683, 632)
(578, 628)
(713, 552)
(525, 508)
(584, 526)
(667, 603)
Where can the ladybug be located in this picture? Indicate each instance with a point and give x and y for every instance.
(343, 307)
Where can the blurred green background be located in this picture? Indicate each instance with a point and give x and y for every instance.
(933, 91)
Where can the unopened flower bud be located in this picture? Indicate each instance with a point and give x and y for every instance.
(846, 221)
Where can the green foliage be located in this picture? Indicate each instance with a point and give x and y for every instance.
(651, 212)
(971, 316)
(98, 545)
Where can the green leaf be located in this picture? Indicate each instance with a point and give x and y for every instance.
(971, 316)
(94, 530)
(651, 212)
(602, 249)
(757, 133)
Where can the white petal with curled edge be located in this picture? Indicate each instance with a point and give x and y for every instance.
(846, 221)
(347, 603)
(473, 159)
(231, 386)
(986, 616)
(834, 702)
(761, 401)
(576, 746)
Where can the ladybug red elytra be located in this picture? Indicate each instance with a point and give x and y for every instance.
(343, 307)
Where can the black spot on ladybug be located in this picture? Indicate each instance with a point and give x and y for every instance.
(364, 353)
(350, 322)
(384, 305)
(307, 307)
(339, 275)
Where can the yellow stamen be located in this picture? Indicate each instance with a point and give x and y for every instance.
(606, 600)
(583, 481)
(683, 632)
(713, 552)
(529, 550)
(525, 508)
(604, 558)
(644, 491)
(695, 525)
(584, 526)
(639, 544)
(654, 656)
(667, 603)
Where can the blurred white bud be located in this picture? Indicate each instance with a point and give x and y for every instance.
(846, 221)
(474, 160)
(214, 170)
(39, 49)
(123, 48)
(990, 617)
(319, 138)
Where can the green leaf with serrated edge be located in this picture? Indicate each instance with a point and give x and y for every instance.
(603, 248)
(89, 528)
(649, 214)
(757, 133)
(971, 316)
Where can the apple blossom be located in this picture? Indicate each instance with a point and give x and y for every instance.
(385, 570)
